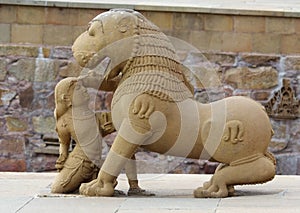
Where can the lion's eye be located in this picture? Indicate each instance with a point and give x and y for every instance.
(91, 31)
(88, 27)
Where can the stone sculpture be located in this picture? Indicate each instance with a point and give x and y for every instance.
(153, 108)
(284, 104)
(75, 120)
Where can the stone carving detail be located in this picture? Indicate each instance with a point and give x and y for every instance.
(153, 108)
(283, 104)
(75, 121)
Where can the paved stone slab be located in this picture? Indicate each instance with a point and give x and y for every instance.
(30, 192)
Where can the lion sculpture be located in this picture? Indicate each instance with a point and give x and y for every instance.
(153, 108)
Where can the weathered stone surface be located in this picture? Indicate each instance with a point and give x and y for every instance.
(45, 70)
(223, 59)
(23, 69)
(61, 53)
(12, 146)
(12, 165)
(294, 134)
(292, 63)
(7, 96)
(280, 129)
(26, 97)
(287, 163)
(3, 71)
(261, 95)
(277, 146)
(22, 33)
(43, 124)
(19, 50)
(252, 78)
(15, 124)
(5, 33)
(259, 60)
(193, 20)
(70, 69)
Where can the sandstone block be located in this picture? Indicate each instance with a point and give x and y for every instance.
(31, 15)
(3, 70)
(61, 53)
(84, 16)
(249, 24)
(164, 20)
(292, 63)
(252, 78)
(260, 95)
(45, 70)
(43, 124)
(12, 165)
(235, 42)
(223, 59)
(60, 16)
(23, 69)
(8, 14)
(12, 146)
(294, 134)
(27, 33)
(255, 60)
(290, 44)
(287, 164)
(192, 21)
(218, 23)
(14, 124)
(280, 130)
(26, 97)
(297, 25)
(276, 146)
(7, 96)
(58, 35)
(280, 25)
(19, 50)
(201, 39)
(266, 43)
(5, 33)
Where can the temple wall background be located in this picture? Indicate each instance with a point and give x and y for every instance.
(251, 54)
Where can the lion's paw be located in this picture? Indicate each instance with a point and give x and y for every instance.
(96, 188)
(212, 192)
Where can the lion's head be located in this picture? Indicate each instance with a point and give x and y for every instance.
(103, 30)
(133, 44)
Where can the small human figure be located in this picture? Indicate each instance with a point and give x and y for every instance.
(75, 121)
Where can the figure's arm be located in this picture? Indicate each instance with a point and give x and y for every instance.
(105, 124)
(64, 137)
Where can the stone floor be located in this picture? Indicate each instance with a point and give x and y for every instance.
(30, 192)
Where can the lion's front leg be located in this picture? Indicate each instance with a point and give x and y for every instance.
(121, 151)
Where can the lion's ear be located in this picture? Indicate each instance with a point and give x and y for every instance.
(123, 24)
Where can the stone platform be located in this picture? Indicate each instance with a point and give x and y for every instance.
(30, 192)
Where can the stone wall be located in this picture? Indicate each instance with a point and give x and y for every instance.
(251, 55)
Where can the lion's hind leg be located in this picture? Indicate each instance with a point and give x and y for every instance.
(251, 170)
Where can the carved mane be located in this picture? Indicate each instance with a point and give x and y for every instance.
(153, 66)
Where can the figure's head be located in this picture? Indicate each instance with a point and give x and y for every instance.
(69, 92)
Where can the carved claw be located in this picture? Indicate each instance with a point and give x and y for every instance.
(211, 190)
(96, 188)
(210, 193)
